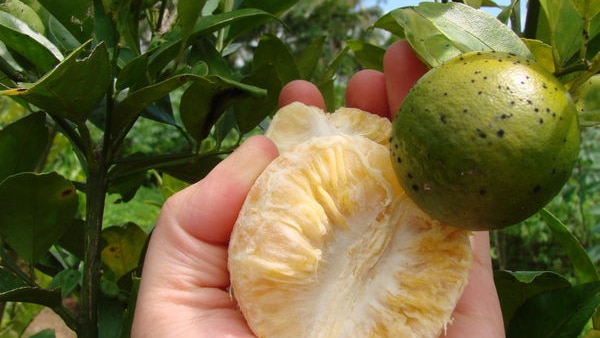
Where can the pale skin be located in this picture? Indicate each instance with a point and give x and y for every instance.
(184, 289)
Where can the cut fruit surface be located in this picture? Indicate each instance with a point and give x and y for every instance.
(328, 244)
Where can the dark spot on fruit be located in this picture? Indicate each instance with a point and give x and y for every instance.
(479, 92)
(500, 133)
(553, 171)
(67, 192)
(472, 80)
(536, 109)
(415, 187)
(445, 94)
(481, 133)
(443, 119)
(541, 121)
(465, 110)
(399, 159)
(512, 103)
(529, 102)
(537, 189)
(409, 175)
(485, 77)
(482, 191)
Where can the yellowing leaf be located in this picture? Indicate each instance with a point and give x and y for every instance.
(124, 245)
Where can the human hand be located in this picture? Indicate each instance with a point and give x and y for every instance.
(185, 278)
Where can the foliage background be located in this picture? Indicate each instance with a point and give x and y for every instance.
(327, 41)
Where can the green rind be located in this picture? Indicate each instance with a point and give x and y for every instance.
(485, 140)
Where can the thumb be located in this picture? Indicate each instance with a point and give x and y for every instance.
(402, 68)
(184, 280)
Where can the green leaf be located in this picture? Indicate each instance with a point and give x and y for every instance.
(73, 238)
(127, 186)
(164, 53)
(128, 110)
(586, 8)
(134, 74)
(584, 269)
(188, 12)
(275, 7)
(26, 42)
(542, 53)
(193, 171)
(110, 317)
(565, 39)
(35, 210)
(68, 91)
(368, 55)
(22, 145)
(309, 59)
(24, 13)
(76, 16)
(272, 51)
(246, 24)
(171, 185)
(13, 289)
(565, 312)
(67, 281)
(439, 31)
(249, 112)
(124, 245)
(515, 287)
(206, 100)
(587, 101)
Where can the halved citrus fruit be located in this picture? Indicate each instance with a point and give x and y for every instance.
(328, 244)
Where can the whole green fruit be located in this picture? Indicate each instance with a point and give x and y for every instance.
(485, 140)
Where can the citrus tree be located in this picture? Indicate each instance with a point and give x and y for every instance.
(84, 75)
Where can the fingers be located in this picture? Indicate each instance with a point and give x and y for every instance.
(478, 312)
(366, 91)
(303, 91)
(402, 69)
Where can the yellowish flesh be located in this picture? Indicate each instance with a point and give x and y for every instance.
(327, 243)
